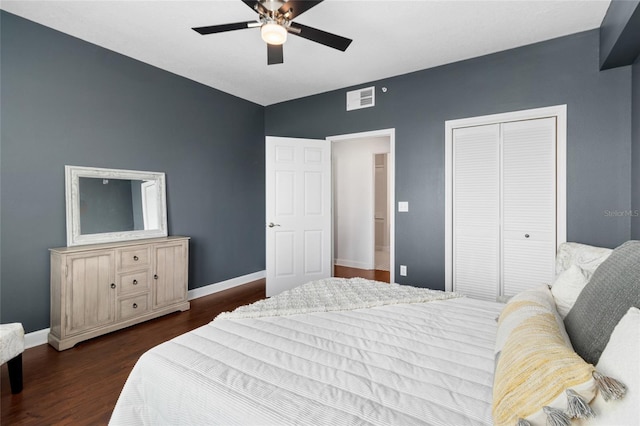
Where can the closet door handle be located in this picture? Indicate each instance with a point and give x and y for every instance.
(155, 277)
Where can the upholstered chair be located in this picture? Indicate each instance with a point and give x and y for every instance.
(11, 348)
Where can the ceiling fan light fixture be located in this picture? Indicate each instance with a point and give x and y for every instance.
(273, 33)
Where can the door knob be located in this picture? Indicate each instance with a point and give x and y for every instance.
(271, 224)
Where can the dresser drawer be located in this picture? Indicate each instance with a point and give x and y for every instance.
(133, 282)
(133, 257)
(133, 306)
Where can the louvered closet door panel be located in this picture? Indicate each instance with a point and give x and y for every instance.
(476, 207)
(528, 203)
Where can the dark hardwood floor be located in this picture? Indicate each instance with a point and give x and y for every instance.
(370, 274)
(80, 386)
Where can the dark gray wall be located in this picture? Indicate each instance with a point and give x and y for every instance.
(560, 71)
(65, 101)
(620, 46)
(635, 180)
(136, 205)
(620, 34)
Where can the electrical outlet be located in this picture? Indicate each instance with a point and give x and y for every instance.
(403, 270)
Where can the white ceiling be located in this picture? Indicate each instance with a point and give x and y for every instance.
(390, 37)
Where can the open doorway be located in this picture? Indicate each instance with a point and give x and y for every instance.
(362, 172)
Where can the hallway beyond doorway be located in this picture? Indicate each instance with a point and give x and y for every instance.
(370, 274)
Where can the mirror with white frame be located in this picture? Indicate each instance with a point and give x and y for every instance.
(110, 205)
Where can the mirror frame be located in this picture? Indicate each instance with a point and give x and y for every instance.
(72, 198)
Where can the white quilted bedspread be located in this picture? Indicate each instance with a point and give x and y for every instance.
(336, 294)
(398, 364)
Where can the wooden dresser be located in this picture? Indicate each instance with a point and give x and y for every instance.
(96, 289)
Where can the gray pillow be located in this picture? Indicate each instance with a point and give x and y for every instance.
(612, 290)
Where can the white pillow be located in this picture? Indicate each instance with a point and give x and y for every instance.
(620, 360)
(567, 287)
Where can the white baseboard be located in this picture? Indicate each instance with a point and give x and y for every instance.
(39, 337)
(352, 264)
(225, 285)
(35, 338)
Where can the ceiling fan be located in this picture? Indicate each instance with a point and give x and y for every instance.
(275, 21)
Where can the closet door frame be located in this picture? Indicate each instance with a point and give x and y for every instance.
(557, 111)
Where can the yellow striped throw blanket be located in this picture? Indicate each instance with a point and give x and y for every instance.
(539, 379)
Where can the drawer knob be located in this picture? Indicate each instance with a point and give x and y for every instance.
(526, 235)
(135, 282)
(135, 258)
(135, 306)
(113, 285)
(155, 277)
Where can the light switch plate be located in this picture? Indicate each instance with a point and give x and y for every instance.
(403, 270)
(403, 206)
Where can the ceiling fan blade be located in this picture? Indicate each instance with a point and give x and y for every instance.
(296, 8)
(256, 6)
(274, 54)
(224, 27)
(322, 37)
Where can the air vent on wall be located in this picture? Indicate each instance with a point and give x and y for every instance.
(361, 98)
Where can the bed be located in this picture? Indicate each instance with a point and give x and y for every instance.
(336, 351)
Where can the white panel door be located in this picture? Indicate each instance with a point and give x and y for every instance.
(528, 204)
(476, 211)
(298, 212)
(150, 204)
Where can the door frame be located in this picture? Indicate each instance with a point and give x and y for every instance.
(557, 111)
(390, 133)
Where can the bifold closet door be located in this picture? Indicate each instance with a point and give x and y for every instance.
(476, 211)
(504, 207)
(528, 204)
